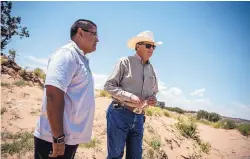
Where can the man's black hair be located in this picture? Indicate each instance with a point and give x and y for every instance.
(81, 23)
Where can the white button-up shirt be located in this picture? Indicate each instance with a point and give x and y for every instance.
(68, 69)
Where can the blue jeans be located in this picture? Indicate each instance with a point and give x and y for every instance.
(124, 126)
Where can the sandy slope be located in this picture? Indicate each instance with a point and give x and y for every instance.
(23, 105)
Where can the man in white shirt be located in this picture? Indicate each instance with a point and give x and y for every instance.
(68, 102)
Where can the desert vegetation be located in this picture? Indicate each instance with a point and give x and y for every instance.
(18, 143)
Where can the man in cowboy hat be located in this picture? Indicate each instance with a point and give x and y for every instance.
(132, 85)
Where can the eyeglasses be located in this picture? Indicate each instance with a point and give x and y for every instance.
(93, 33)
(148, 46)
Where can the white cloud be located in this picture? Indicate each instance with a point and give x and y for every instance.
(161, 85)
(42, 61)
(36, 63)
(99, 80)
(34, 66)
(175, 91)
(174, 97)
(198, 92)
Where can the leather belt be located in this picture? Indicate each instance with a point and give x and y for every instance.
(132, 109)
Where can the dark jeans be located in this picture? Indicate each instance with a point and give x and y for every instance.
(124, 127)
(43, 148)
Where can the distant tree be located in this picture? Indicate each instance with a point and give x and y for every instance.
(202, 114)
(10, 26)
(213, 117)
(12, 55)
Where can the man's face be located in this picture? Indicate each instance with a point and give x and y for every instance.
(89, 38)
(146, 49)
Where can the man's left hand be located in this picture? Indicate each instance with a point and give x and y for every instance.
(152, 101)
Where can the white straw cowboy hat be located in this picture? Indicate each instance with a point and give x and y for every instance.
(142, 36)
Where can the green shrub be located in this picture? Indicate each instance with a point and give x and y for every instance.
(155, 143)
(226, 124)
(205, 147)
(230, 124)
(244, 129)
(39, 73)
(188, 129)
(175, 109)
(213, 117)
(202, 114)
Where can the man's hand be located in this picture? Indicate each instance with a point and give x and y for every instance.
(136, 100)
(58, 150)
(152, 101)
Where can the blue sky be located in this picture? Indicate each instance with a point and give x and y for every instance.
(204, 62)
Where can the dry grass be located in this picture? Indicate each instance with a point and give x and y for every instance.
(5, 84)
(189, 129)
(35, 112)
(156, 111)
(205, 147)
(104, 94)
(20, 83)
(21, 142)
(92, 144)
(150, 153)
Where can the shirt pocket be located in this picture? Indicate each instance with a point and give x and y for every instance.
(149, 84)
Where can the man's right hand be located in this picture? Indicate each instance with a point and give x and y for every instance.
(58, 150)
(136, 100)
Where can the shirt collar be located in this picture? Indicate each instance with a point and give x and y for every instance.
(136, 55)
(78, 49)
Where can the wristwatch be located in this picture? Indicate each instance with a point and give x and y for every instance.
(59, 140)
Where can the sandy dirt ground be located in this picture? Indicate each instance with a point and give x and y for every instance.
(22, 106)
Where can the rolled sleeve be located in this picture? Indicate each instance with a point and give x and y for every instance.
(113, 82)
(61, 69)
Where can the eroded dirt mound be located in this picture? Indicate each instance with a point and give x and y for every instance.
(11, 68)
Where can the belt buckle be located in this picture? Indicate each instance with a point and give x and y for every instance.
(137, 110)
(115, 105)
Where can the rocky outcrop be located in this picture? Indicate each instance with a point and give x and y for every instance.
(10, 67)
